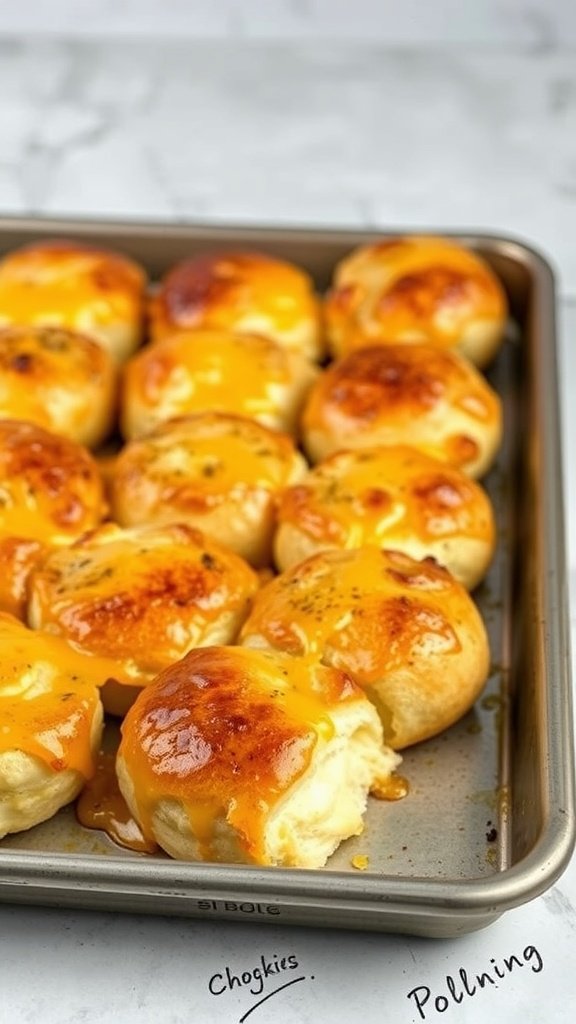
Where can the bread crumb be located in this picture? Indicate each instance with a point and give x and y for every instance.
(360, 862)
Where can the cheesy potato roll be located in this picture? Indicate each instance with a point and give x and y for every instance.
(248, 756)
(219, 472)
(417, 289)
(51, 723)
(58, 379)
(393, 497)
(142, 598)
(246, 292)
(396, 394)
(404, 630)
(68, 284)
(217, 371)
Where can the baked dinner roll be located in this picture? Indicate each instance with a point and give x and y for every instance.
(51, 722)
(51, 492)
(251, 756)
(219, 472)
(240, 291)
(58, 379)
(406, 631)
(393, 497)
(397, 394)
(201, 371)
(141, 598)
(417, 289)
(50, 487)
(68, 284)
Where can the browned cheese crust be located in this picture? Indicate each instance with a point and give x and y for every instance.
(246, 292)
(69, 284)
(393, 497)
(217, 371)
(58, 379)
(218, 472)
(405, 630)
(141, 598)
(396, 394)
(406, 290)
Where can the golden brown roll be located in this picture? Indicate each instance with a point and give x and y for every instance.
(404, 630)
(50, 487)
(214, 371)
(218, 472)
(18, 557)
(240, 291)
(68, 284)
(51, 722)
(393, 497)
(58, 379)
(398, 394)
(141, 598)
(239, 755)
(51, 492)
(405, 290)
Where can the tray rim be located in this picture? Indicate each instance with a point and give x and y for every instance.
(27, 873)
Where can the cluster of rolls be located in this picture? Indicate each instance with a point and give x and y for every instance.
(270, 578)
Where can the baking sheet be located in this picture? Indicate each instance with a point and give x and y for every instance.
(489, 821)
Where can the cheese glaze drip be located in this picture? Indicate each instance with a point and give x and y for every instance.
(102, 806)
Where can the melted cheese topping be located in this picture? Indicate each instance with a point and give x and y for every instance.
(404, 630)
(227, 732)
(57, 379)
(67, 284)
(417, 289)
(143, 597)
(238, 292)
(375, 610)
(223, 372)
(192, 465)
(396, 394)
(386, 496)
(50, 487)
(48, 698)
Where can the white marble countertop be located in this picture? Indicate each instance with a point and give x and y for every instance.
(316, 134)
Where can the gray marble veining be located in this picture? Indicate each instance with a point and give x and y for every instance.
(286, 132)
(532, 23)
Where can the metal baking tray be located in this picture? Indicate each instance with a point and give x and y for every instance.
(489, 823)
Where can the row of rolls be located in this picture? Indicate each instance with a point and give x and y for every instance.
(246, 519)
